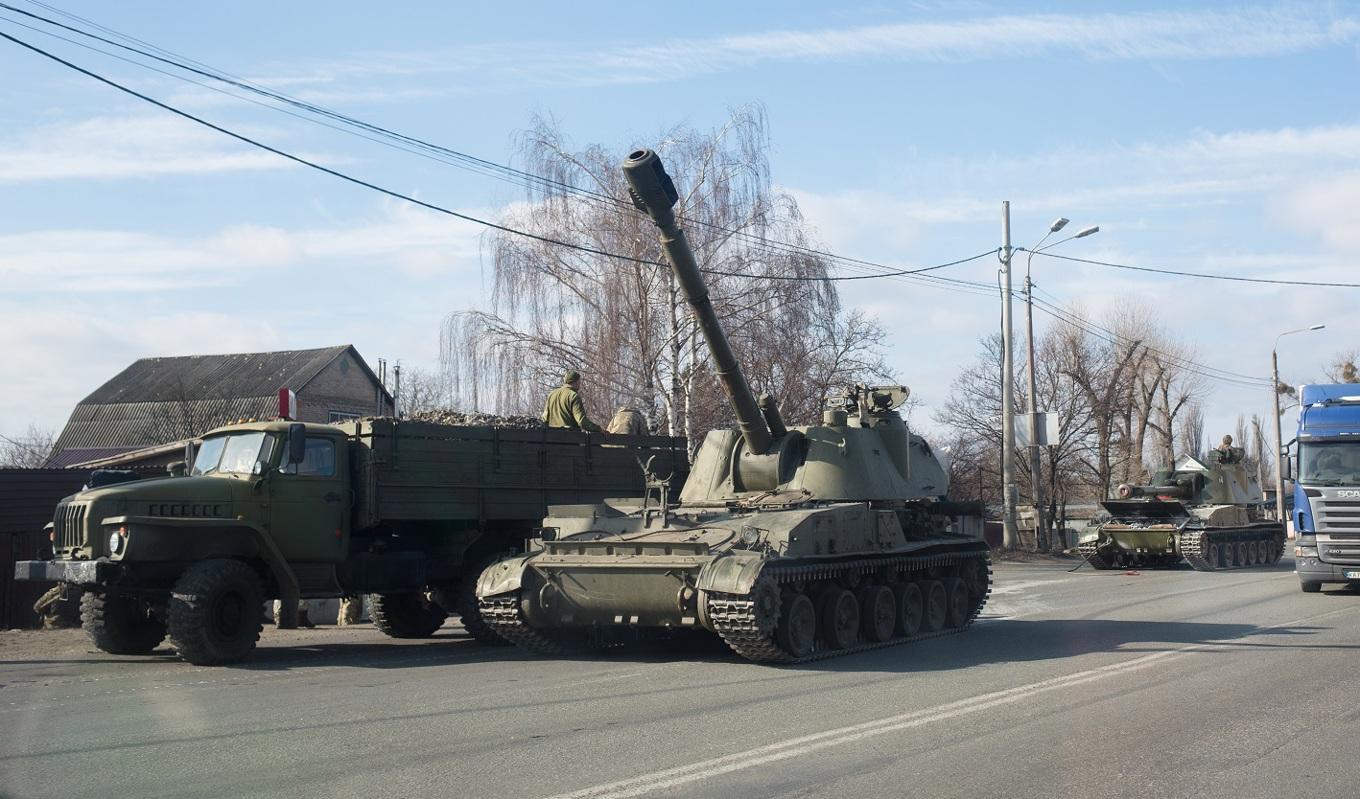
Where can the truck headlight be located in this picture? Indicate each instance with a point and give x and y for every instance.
(1305, 552)
(117, 540)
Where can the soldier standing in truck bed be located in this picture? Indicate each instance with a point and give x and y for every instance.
(564, 407)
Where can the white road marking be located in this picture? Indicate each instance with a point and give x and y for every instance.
(793, 747)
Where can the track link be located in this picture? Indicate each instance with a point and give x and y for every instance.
(503, 615)
(735, 619)
(1194, 545)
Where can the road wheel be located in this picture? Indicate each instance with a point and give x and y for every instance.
(1244, 557)
(958, 602)
(120, 625)
(214, 612)
(1311, 587)
(878, 611)
(911, 607)
(464, 601)
(1229, 555)
(937, 606)
(840, 619)
(1211, 554)
(407, 615)
(797, 630)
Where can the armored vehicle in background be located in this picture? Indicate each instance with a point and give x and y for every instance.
(409, 512)
(789, 543)
(1208, 512)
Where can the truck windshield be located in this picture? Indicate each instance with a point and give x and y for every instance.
(242, 453)
(1329, 463)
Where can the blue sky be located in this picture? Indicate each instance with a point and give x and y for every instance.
(1207, 137)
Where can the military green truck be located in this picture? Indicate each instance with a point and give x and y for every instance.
(408, 512)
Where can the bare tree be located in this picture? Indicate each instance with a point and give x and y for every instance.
(1344, 367)
(28, 450)
(423, 390)
(623, 322)
(1191, 427)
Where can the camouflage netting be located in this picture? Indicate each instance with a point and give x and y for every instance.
(450, 416)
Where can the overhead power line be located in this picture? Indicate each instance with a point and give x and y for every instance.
(1203, 275)
(410, 144)
(438, 208)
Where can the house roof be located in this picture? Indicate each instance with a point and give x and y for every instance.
(205, 377)
(155, 399)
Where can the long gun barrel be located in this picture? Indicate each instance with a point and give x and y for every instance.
(654, 192)
(1177, 491)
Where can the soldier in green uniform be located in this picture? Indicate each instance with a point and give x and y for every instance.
(564, 407)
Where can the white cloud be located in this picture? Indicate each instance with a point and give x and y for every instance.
(1166, 35)
(420, 243)
(1326, 208)
(125, 147)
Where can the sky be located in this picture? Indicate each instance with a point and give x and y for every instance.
(1202, 137)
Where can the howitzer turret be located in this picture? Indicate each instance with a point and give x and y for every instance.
(1209, 512)
(789, 542)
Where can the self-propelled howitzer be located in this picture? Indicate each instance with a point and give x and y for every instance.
(1209, 512)
(788, 542)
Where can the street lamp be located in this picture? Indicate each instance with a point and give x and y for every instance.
(1035, 484)
(1279, 438)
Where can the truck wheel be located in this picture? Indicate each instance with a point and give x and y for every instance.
(215, 612)
(1310, 587)
(120, 625)
(465, 601)
(408, 615)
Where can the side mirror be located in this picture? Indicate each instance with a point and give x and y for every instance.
(1287, 467)
(189, 455)
(297, 442)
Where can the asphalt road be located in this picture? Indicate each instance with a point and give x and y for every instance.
(1086, 684)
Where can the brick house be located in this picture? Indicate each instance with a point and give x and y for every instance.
(156, 401)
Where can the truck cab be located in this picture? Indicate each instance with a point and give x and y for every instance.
(1326, 513)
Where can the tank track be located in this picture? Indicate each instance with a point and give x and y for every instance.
(1193, 543)
(1089, 552)
(502, 614)
(735, 619)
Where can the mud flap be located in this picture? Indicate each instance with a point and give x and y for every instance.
(502, 577)
(733, 573)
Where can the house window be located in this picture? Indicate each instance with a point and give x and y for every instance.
(340, 416)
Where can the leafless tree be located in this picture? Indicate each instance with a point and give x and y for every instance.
(28, 450)
(1344, 367)
(423, 390)
(623, 322)
(1191, 427)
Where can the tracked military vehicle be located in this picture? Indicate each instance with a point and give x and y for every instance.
(789, 543)
(1207, 512)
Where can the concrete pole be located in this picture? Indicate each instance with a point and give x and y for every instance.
(1035, 483)
(1279, 440)
(1010, 535)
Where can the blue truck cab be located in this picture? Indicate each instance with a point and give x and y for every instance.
(1326, 513)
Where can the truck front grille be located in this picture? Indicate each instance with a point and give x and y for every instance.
(70, 527)
(1336, 515)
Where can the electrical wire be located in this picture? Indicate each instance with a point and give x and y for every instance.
(418, 146)
(1203, 275)
(440, 209)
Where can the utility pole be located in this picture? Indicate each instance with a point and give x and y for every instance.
(1010, 537)
(1035, 483)
(1279, 438)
